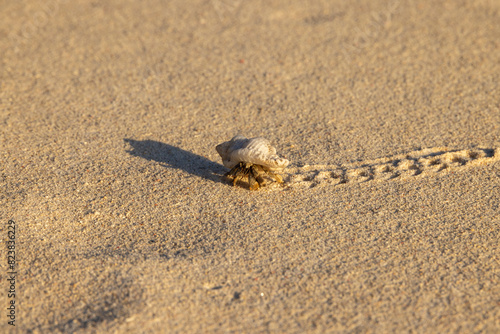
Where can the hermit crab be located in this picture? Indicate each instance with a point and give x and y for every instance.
(254, 159)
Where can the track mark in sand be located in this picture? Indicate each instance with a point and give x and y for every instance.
(418, 163)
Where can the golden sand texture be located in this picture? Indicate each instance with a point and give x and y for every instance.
(387, 110)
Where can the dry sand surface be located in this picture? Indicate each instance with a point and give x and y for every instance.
(388, 221)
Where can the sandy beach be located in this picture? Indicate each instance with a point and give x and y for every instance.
(118, 219)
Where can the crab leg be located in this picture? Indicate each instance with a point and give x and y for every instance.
(275, 176)
(236, 179)
(252, 182)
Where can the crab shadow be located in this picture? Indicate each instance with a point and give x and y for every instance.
(173, 157)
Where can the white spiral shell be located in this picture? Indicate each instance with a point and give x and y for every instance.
(257, 151)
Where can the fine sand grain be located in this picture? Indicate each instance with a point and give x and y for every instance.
(389, 219)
